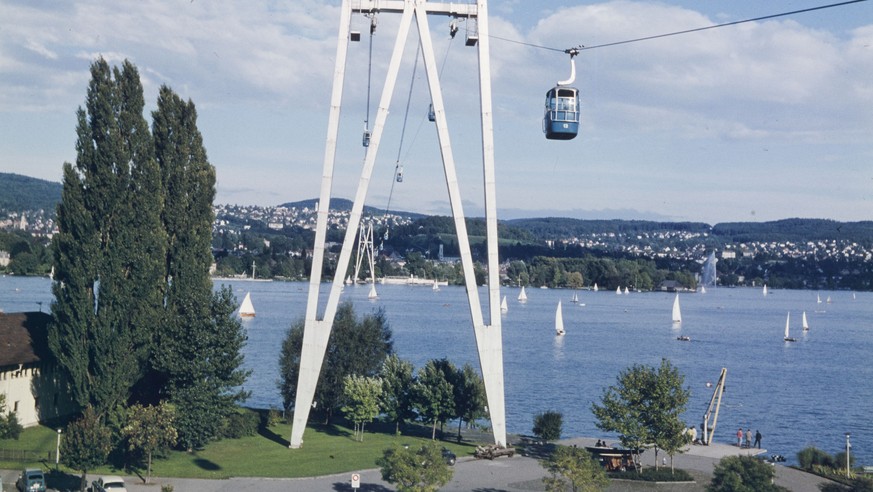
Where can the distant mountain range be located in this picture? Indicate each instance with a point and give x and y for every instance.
(19, 193)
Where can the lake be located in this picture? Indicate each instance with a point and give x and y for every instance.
(797, 394)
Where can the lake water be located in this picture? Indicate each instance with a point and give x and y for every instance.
(797, 394)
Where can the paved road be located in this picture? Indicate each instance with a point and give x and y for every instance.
(518, 474)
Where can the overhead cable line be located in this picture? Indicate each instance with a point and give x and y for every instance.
(676, 33)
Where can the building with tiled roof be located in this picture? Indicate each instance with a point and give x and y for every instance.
(29, 378)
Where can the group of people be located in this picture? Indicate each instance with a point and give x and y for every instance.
(600, 444)
(744, 439)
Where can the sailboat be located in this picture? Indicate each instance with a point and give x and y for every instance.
(703, 289)
(372, 294)
(804, 323)
(436, 286)
(522, 297)
(595, 287)
(626, 291)
(788, 338)
(828, 300)
(503, 306)
(575, 298)
(817, 299)
(618, 290)
(765, 289)
(348, 280)
(247, 309)
(677, 313)
(559, 321)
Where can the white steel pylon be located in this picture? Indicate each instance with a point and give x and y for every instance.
(366, 249)
(488, 336)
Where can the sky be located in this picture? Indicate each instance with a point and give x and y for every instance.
(759, 121)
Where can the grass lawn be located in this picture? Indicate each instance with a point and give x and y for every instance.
(326, 450)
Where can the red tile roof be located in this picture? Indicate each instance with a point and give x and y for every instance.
(23, 338)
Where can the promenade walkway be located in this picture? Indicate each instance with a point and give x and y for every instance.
(517, 474)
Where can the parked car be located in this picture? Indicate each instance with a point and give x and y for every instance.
(108, 483)
(31, 480)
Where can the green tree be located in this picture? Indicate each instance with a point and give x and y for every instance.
(397, 383)
(644, 407)
(149, 430)
(574, 468)
(108, 252)
(356, 346)
(86, 444)
(10, 428)
(415, 470)
(547, 425)
(468, 391)
(198, 349)
(743, 474)
(434, 394)
(362, 396)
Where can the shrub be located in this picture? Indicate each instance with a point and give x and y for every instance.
(547, 425)
(240, 424)
(653, 475)
(811, 456)
(166, 488)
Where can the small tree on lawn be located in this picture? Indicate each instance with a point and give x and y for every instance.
(86, 444)
(547, 425)
(575, 468)
(10, 428)
(397, 383)
(150, 429)
(415, 470)
(743, 474)
(469, 395)
(362, 401)
(434, 397)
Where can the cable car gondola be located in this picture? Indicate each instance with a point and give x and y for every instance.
(561, 117)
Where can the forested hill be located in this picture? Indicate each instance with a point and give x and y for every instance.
(561, 228)
(795, 230)
(18, 193)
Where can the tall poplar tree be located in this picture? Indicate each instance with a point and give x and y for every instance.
(108, 284)
(198, 352)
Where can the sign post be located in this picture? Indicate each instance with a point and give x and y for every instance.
(356, 481)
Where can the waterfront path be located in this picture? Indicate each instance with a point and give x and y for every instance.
(517, 474)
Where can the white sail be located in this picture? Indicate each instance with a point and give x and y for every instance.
(804, 323)
(595, 286)
(618, 290)
(787, 320)
(559, 320)
(575, 298)
(703, 289)
(765, 289)
(817, 299)
(435, 285)
(522, 297)
(626, 290)
(372, 294)
(828, 300)
(247, 309)
(504, 307)
(677, 313)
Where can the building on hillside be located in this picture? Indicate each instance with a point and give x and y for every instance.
(29, 376)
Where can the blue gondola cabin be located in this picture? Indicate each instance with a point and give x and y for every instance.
(561, 119)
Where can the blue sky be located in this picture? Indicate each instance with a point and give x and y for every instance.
(759, 121)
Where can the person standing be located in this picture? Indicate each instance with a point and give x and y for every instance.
(749, 438)
(758, 439)
(740, 437)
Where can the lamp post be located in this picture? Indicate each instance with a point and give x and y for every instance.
(848, 446)
(58, 450)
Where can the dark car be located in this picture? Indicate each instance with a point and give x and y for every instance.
(31, 480)
(449, 457)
